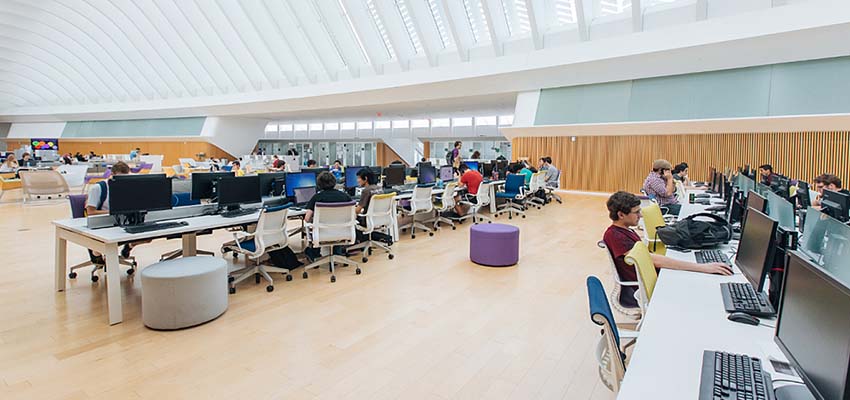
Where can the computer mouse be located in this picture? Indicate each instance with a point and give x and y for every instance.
(743, 318)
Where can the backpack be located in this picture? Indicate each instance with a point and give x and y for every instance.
(450, 157)
(697, 231)
(284, 258)
(104, 191)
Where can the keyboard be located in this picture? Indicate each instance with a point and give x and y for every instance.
(716, 208)
(710, 256)
(741, 297)
(702, 196)
(238, 213)
(733, 376)
(154, 226)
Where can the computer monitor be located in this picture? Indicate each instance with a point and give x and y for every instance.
(487, 170)
(351, 176)
(836, 205)
(804, 199)
(812, 328)
(781, 185)
(473, 165)
(267, 181)
(754, 256)
(314, 171)
(781, 210)
(394, 176)
(278, 186)
(304, 194)
(427, 174)
(376, 170)
(203, 184)
(139, 194)
(711, 172)
(125, 177)
(447, 173)
(234, 191)
(299, 180)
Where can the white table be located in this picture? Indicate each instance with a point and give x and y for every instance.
(107, 240)
(493, 186)
(686, 316)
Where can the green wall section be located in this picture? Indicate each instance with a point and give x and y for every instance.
(800, 88)
(135, 127)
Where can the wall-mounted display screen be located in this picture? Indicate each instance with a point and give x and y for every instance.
(44, 144)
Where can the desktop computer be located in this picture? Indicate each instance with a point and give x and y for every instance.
(203, 184)
(754, 201)
(314, 171)
(303, 194)
(487, 170)
(131, 197)
(803, 195)
(754, 258)
(781, 185)
(473, 165)
(836, 205)
(393, 176)
(299, 180)
(427, 174)
(267, 183)
(447, 173)
(235, 191)
(351, 176)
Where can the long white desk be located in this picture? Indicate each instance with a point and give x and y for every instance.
(686, 316)
(107, 240)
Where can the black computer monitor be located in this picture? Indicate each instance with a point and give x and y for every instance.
(711, 172)
(804, 199)
(315, 171)
(267, 181)
(781, 185)
(487, 170)
(125, 177)
(376, 170)
(139, 194)
(812, 328)
(473, 165)
(351, 176)
(754, 256)
(754, 201)
(303, 195)
(235, 191)
(394, 176)
(447, 173)
(299, 180)
(427, 175)
(278, 186)
(836, 205)
(203, 184)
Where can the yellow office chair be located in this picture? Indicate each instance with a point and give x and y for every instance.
(653, 219)
(641, 259)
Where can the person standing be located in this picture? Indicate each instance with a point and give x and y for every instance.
(455, 156)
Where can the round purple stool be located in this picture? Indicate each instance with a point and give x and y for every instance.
(494, 245)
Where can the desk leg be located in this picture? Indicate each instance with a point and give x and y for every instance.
(493, 200)
(190, 244)
(61, 262)
(113, 284)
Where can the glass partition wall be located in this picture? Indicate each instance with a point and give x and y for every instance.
(489, 149)
(325, 153)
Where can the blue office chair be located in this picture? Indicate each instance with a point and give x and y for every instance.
(514, 193)
(610, 356)
(227, 168)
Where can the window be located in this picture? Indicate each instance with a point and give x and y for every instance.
(315, 127)
(271, 128)
(347, 126)
(382, 124)
(401, 124)
(438, 21)
(331, 126)
(485, 121)
(505, 120)
(408, 25)
(440, 122)
(612, 7)
(420, 123)
(285, 128)
(300, 127)
(462, 121)
(565, 12)
(373, 11)
(475, 17)
(364, 125)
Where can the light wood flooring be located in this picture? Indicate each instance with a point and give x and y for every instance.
(427, 325)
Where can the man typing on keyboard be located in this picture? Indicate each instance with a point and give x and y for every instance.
(624, 211)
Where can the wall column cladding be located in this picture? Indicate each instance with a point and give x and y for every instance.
(611, 163)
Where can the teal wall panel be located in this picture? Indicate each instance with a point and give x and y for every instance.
(812, 87)
(166, 127)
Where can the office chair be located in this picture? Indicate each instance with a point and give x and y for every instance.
(446, 203)
(514, 193)
(179, 200)
(551, 186)
(640, 258)
(269, 235)
(78, 210)
(681, 193)
(651, 221)
(614, 296)
(333, 225)
(537, 183)
(380, 216)
(420, 205)
(482, 200)
(610, 351)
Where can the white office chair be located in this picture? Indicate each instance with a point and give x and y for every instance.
(333, 225)
(447, 203)
(269, 235)
(482, 200)
(420, 205)
(537, 183)
(614, 296)
(681, 193)
(551, 186)
(380, 216)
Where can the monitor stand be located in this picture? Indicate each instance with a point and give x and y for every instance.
(793, 392)
(127, 219)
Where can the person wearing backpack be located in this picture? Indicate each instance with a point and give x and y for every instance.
(453, 156)
(624, 212)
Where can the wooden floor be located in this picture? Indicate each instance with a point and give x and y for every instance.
(427, 325)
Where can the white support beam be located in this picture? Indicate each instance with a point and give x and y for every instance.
(462, 51)
(364, 28)
(536, 36)
(581, 20)
(427, 45)
(402, 46)
(637, 16)
(491, 26)
(310, 42)
(702, 9)
(350, 63)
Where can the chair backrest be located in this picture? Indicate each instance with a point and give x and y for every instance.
(681, 194)
(78, 205)
(613, 265)
(556, 183)
(653, 219)
(177, 168)
(381, 211)
(271, 228)
(613, 365)
(421, 200)
(75, 175)
(145, 168)
(447, 199)
(43, 183)
(640, 258)
(334, 223)
(483, 195)
(538, 181)
(514, 183)
(181, 199)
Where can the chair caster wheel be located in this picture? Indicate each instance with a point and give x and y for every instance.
(369, 252)
(72, 275)
(510, 217)
(523, 216)
(130, 272)
(333, 278)
(232, 290)
(430, 233)
(489, 222)
(235, 255)
(358, 271)
(304, 275)
(413, 236)
(257, 278)
(270, 288)
(390, 256)
(289, 278)
(95, 278)
(364, 259)
(230, 279)
(454, 228)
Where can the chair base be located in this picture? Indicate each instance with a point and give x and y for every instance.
(445, 220)
(258, 270)
(416, 224)
(331, 260)
(129, 262)
(179, 253)
(370, 245)
(510, 208)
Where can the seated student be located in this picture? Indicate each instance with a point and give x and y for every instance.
(826, 181)
(526, 170)
(312, 164)
(237, 168)
(659, 185)
(624, 212)
(766, 173)
(470, 180)
(680, 173)
(325, 184)
(27, 161)
(10, 165)
(277, 163)
(552, 175)
(336, 170)
(97, 203)
(368, 183)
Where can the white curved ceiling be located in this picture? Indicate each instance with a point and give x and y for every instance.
(66, 53)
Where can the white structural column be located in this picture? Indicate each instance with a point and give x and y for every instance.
(462, 49)
(490, 15)
(581, 20)
(637, 16)
(536, 35)
(428, 46)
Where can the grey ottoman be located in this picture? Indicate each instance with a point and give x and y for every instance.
(184, 292)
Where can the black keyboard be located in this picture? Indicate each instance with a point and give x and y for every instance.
(154, 226)
(733, 376)
(741, 297)
(711, 256)
(716, 208)
(238, 213)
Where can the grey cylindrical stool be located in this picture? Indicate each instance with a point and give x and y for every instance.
(184, 292)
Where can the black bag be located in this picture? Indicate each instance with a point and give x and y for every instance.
(697, 231)
(284, 258)
(450, 157)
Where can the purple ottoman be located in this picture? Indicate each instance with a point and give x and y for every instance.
(494, 245)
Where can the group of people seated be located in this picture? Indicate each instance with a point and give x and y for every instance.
(11, 164)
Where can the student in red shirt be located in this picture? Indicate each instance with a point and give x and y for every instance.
(624, 211)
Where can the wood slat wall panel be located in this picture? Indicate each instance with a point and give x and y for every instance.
(611, 163)
(171, 150)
